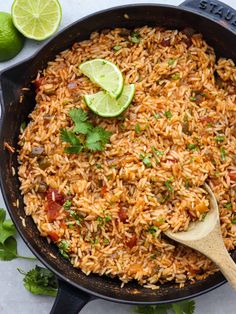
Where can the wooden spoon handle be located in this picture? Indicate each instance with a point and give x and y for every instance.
(227, 267)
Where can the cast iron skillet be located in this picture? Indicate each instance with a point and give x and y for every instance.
(218, 24)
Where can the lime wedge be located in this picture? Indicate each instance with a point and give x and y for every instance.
(104, 105)
(105, 74)
(36, 19)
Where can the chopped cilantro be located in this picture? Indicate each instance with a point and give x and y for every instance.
(171, 61)
(156, 115)
(168, 185)
(175, 76)
(106, 241)
(135, 37)
(63, 248)
(98, 166)
(146, 159)
(222, 153)
(137, 128)
(67, 204)
(228, 205)
(192, 98)
(117, 48)
(192, 146)
(99, 219)
(157, 153)
(168, 114)
(219, 138)
(107, 218)
(187, 183)
(152, 229)
(233, 221)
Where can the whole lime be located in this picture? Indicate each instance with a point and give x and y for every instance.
(11, 41)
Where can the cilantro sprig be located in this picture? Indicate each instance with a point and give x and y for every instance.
(184, 307)
(40, 281)
(84, 135)
(8, 244)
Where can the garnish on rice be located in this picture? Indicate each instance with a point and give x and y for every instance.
(84, 135)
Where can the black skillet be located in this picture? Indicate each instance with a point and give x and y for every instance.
(218, 24)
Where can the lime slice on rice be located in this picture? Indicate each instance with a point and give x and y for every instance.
(36, 19)
(104, 105)
(105, 74)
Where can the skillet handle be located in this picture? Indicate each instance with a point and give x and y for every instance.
(69, 300)
(215, 10)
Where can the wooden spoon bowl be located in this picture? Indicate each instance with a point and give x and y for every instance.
(205, 237)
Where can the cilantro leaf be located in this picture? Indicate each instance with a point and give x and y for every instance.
(80, 118)
(63, 248)
(69, 137)
(97, 139)
(8, 244)
(40, 281)
(7, 228)
(184, 307)
(152, 309)
(8, 249)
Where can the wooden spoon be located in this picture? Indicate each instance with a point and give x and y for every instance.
(205, 237)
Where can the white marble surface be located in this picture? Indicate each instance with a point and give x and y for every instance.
(13, 297)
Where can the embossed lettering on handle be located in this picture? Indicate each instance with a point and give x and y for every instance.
(216, 10)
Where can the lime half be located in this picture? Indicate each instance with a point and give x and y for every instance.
(104, 105)
(105, 74)
(36, 19)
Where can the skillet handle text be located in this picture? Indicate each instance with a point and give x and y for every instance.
(69, 300)
(215, 10)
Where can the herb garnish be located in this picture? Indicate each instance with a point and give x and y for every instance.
(8, 244)
(192, 146)
(137, 128)
(63, 248)
(175, 76)
(67, 205)
(156, 115)
(228, 205)
(40, 281)
(146, 159)
(171, 61)
(168, 184)
(222, 153)
(94, 138)
(135, 37)
(152, 229)
(184, 307)
(157, 153)
(168, 114)
(117, 48)
(219, 138)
